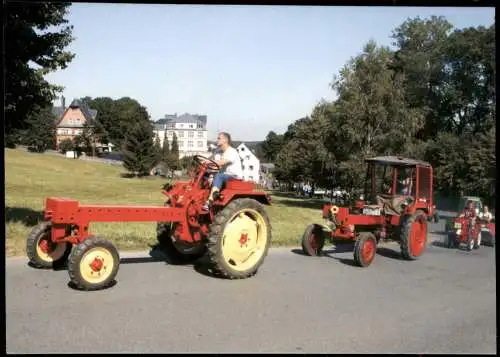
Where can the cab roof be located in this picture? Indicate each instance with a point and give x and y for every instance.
(397, 161)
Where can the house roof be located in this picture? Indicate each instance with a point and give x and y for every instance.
(397, 160)
(89, 114)
(184, 118)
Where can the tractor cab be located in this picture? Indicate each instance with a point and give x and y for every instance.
(393, 184)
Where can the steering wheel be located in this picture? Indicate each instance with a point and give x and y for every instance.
(208, 163)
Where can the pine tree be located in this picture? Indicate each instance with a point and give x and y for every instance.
(174, 154)
(157, 147)
(139, 153)
(165, 151)
(41, 131)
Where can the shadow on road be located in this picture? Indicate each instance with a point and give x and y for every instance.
(27, 216)
(440, 244)
(389, 253)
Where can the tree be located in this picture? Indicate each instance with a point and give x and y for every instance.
(420, 56)
(86, 140)
(371, 116)
(157, 147)
(116, 117)
(66, 145)
(271, 146)
(174, 154)
(139, 154)
(33, 51)
(41, 130)
(166, 155)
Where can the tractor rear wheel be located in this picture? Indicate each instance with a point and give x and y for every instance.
(42, 252)
(413, 235)
(365, 249)
(93, 264)
(177, 252)
(313, 240)
(239, 238)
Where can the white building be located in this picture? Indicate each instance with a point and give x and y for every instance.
(249, 163)
(191, 132)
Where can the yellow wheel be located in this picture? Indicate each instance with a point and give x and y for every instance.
(42, 252)
(239, 238)
(93, 264)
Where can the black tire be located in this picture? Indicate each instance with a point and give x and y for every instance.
(365, 249)
(313, 240)
(451, 241)
(39, 233)
(177, 253)
(436, 218)
(80, 251)
(216, 242)
(406, 237)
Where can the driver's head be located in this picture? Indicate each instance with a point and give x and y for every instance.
(223, 140)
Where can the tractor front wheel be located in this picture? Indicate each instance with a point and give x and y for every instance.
(93, 264)
(313, 240)
(42, 252)
(365, 249)
(414, 235)
(239, 239)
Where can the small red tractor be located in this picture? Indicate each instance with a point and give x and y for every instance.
(396, 204)
(470, 232)
(235, 232)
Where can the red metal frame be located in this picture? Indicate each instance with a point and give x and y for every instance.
(71, 220)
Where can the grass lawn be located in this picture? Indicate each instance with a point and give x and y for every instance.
(30, 178)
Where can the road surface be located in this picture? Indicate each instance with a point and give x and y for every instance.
(443, 303)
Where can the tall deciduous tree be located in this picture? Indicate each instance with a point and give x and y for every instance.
(271, 146)
(36, 36)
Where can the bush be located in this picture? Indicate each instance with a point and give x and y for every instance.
(66, 145)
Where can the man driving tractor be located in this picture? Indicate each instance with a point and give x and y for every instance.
(229, 163)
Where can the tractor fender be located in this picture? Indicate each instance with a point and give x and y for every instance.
(262, 198)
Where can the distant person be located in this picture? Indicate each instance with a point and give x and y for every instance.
(486, 215)
(230, 166)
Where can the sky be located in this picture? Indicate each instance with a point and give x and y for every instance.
(250, 69)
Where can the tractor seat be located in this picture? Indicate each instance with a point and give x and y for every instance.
(239, 184)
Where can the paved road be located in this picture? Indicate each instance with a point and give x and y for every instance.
(443, 303)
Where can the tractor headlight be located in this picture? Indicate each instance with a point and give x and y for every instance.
(459, 231)
(458, 225)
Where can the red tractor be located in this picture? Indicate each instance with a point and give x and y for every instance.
(470, 226)
(235, 232)
(396, 205)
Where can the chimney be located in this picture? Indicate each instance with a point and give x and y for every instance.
(63, 102)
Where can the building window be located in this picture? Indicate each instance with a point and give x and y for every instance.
(200, 144)
(181, 125)
(190, 134)
(180, 134)
(200, 134)
(169, 134)
(251, 167)
(247, 157)
(191, 126)
(199, 125)
(243, 167)
(181, 144)
(190, 144)
(242, 149)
